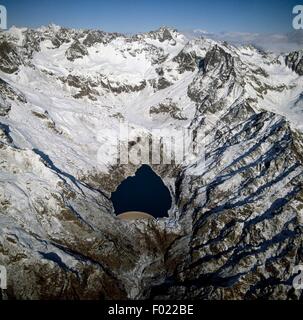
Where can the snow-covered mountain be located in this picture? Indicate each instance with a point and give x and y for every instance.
(235, 228)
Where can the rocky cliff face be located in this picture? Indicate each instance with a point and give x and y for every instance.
(295, 61)
(235, 227)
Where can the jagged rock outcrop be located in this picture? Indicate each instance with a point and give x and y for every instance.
(245, 235)
(76, 51)
(8, 94)
(97, 36)
(163, 34)
(294, 60)
(31, 43)
(188, 61)
(9, 57)
(4, 107)
(167, 107)
(217, 58)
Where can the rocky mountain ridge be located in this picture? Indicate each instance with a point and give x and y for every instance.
(235, 227)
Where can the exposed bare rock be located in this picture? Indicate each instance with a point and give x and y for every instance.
(97, 36)
(170, 108)
(294, 60)
(9, 57)
(76, 51)
(188, 61)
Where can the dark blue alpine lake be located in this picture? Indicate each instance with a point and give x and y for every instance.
(144, 192)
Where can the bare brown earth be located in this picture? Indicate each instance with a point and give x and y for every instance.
(134, 215)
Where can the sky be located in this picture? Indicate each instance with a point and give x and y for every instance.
(130, 16)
